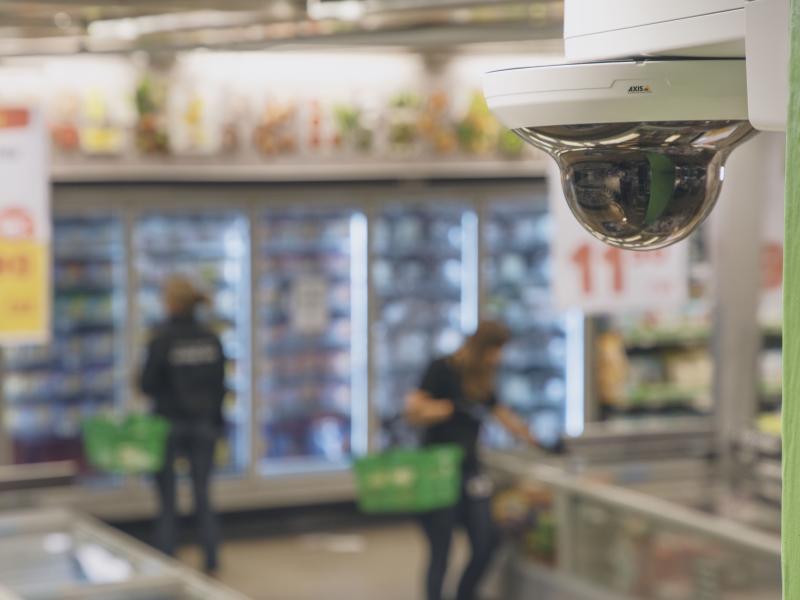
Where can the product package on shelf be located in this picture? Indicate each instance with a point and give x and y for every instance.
(387, 109)
(276, 128)
(50, 390)
(356, 127)
(305, 315)
(91, 110)
(151, 130)
(211, 248)
(196, 121)
(436, 125)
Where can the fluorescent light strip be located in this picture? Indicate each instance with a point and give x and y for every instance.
(469, 272)
(131, 28)
(359, 333)
(574, 373)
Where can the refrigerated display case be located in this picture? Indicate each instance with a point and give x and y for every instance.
(516, 267)
(212, 248)
(48, 390)
(55, 554)
(311, 343)
(424, 296)
(586, 540)
(330, 303)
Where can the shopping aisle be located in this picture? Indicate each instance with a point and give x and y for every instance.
(347, 564)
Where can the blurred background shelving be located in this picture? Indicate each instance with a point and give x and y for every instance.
(517, 273)
(49, 390)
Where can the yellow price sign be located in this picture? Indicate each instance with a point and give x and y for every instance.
(24, 306)
(24, 228)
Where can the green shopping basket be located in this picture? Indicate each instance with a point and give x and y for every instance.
(130, 445)
(409, 481)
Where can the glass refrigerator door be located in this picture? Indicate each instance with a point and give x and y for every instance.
(312, 332)
(49, 390)
(425, 297)
(212, 249)
(517, 277)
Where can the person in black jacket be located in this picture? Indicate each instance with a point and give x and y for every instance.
(184, 376)
(456, 395)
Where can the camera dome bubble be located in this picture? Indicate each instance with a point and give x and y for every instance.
(640, 186)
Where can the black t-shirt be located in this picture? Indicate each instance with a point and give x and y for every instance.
(443, 382)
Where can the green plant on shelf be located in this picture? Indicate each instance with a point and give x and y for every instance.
(351, 130)
(151, 133)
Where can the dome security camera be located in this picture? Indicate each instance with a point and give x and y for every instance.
(641, 144)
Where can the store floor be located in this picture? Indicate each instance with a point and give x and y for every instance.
(383, 563)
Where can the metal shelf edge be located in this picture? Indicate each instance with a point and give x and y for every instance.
(290, 173)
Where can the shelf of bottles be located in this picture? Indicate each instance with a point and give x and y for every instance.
(424, 277)
(311, 320)
(517, 276)
(50, 389)
(211, 248)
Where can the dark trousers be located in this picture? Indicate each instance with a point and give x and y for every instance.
(474, 513)
(196, 443)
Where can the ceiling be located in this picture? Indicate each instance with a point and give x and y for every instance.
(69, 26)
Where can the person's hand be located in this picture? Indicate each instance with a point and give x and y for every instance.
(442, 409)
(530, 439)
(423, 410)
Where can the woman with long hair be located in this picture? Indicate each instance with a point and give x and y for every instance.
(456, 396)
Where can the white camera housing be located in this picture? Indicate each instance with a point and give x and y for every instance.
(641, 142)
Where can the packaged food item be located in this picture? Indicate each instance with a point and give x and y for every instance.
(275, 133)
(196, 120)
(478, 129)
(64, 124)
(612, 368)
(353, 132)
(436, 124)
(101, 133)
(315, 126)
(403, 123)
(151, 131)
